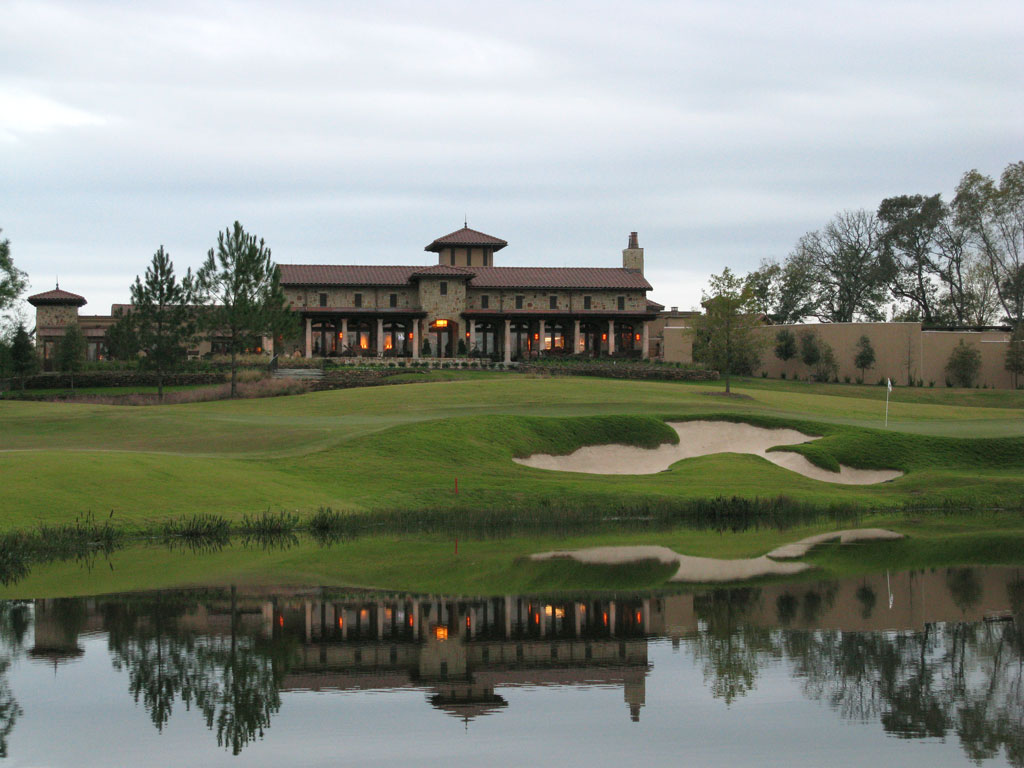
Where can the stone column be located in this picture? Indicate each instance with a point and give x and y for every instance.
(417, 342)
(541, 344)
(646, 349)
(380, 336)
(508, 341)
(344, 334)
(576, 337)
(611, 337)
(268, 345)
(472, 335)
(309, 337)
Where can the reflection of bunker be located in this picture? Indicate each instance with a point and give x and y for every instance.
(701, 438)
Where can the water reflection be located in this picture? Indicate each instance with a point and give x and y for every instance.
(946, 659)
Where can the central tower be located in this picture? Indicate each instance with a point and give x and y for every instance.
(466, 248)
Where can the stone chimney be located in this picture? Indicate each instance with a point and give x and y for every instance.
(633, 256)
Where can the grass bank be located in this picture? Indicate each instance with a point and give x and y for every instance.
(402, 448)
(491, 566)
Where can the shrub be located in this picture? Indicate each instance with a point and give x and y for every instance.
(865, 356)
(964, 364)
(785, 345)
(810, 351)
(826, 367)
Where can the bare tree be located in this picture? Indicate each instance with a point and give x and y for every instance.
(843, 260)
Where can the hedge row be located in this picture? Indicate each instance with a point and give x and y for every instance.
(613, 370)
(116, 379)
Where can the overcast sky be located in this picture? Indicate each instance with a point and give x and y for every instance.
(356, 133)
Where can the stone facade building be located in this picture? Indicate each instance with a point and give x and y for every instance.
(464, 304)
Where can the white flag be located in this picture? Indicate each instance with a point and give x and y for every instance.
(889, 383)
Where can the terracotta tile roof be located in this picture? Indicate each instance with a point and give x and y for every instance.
(654, 306)
(443, 270)
(575, 278)
(466, 236)
(56, 296)
(582, 278)
(345, 274)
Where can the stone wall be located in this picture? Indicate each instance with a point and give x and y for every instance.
(56, 315)
(373, 297)
(604, 301)
(903, 351)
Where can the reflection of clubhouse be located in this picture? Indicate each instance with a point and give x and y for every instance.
(465, 650)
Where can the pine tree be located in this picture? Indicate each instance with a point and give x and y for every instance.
(71, 351)
(23, 355)
(162, 315)
(241, 287)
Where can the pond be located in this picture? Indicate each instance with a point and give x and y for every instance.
(917, 668)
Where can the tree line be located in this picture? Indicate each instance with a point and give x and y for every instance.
(917, 258)
(235, 295)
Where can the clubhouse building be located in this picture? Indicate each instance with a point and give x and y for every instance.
(465, 304)
(460, 305)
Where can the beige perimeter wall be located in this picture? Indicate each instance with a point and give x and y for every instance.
(902, 351)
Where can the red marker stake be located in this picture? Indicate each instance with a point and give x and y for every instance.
(456, 485)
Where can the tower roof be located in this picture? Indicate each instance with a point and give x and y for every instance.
(466, 236)
(57, 296)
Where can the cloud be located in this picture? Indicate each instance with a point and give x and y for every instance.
(355, 132)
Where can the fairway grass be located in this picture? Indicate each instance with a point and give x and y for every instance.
(406, 446)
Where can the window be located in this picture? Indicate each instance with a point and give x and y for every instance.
(485, 302)
(622, 302)
(393, 300)
(451, 258)
(444, 287)
(323, 299)
(586, 302)
(469, 257)
(553, 302)
(357, 300)
(519, 302)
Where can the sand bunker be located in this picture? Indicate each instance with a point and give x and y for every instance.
(700, 438)
(710, 569)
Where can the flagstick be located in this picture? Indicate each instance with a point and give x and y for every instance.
(887, 407)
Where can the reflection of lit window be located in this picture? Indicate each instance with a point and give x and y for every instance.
(341, 622)
(559, 613)
(547, 610)
(441, 632)
(364, 342)
(387, 342)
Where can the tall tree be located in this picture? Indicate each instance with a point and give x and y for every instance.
(843, 260)
(994, 214)
(12, 279)
(1014, 362)
(726, 327)
(910, 227)
(162, 315)
(71, 351)
(242, 288)
(782, 293)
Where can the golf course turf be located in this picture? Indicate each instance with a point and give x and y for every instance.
(405, 447)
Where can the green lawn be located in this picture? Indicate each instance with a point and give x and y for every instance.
(403, 446)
